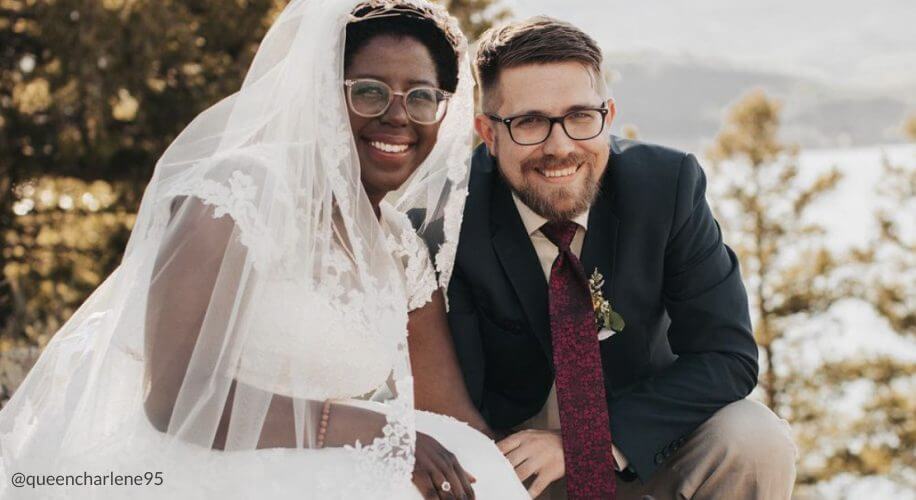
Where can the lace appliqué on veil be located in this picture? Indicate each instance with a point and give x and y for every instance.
(236, 193)
(445, 257)
(405, 244)
(391, 456)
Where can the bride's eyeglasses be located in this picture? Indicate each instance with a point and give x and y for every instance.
(371, 98)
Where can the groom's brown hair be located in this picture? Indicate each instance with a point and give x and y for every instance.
(537, 40)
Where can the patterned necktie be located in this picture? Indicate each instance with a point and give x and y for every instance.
(584, 419)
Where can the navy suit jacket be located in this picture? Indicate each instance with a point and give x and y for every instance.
(687, 349)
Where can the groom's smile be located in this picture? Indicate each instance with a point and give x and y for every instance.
(560, 175)
(546, 173)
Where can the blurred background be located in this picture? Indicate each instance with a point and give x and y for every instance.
(803, 114)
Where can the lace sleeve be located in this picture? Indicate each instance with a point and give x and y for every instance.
(421, 278)
(419, 274)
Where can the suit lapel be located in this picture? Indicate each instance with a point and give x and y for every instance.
(518, 258)
(600, 246)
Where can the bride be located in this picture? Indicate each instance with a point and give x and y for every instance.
(254, 339)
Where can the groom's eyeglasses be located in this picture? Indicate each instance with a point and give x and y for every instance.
(579, 125)
(371, 98)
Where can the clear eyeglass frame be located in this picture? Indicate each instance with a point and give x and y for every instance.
(442, 98)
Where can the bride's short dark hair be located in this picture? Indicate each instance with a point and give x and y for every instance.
(422, 29)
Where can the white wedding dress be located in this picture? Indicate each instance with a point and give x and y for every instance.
(257, 284)
(351, 360)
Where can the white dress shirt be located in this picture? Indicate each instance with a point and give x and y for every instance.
(549, 416)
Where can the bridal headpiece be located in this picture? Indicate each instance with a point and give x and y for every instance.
(374, 9)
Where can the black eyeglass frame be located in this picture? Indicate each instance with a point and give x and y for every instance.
(507, 121)
(403, 95)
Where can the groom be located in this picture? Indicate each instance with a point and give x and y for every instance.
(646, 397)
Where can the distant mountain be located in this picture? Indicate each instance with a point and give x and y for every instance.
(682, 102)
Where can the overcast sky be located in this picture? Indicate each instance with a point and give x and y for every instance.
(869, 44)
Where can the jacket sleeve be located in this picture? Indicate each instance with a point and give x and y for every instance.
(710, 332)
(463, 323)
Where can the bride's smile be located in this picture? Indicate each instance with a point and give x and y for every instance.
(388, 150)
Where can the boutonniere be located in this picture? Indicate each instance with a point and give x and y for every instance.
(607, 320)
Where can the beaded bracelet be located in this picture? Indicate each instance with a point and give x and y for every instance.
(323, 426)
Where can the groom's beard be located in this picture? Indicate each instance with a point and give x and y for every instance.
(558, 203)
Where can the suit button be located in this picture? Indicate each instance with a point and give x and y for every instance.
(659, 458)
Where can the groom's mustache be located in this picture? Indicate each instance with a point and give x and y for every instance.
(550, 162)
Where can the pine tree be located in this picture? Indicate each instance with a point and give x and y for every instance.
(630, 131)
(892, 287)
(793, 279)
(910, 128)
(91, 93)
(877, 439)
(476, 16)
(762, 205)
(885, 434)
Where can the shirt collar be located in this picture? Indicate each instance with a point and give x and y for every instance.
(533, 221)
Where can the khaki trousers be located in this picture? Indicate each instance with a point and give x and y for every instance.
(744, 451)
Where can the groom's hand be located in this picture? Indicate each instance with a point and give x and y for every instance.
(535, 453)
(434, 466)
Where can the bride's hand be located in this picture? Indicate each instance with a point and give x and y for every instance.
(435, 466)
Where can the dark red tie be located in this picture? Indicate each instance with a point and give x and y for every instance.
(584, 419)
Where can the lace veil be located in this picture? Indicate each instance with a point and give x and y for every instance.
(255, 248)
